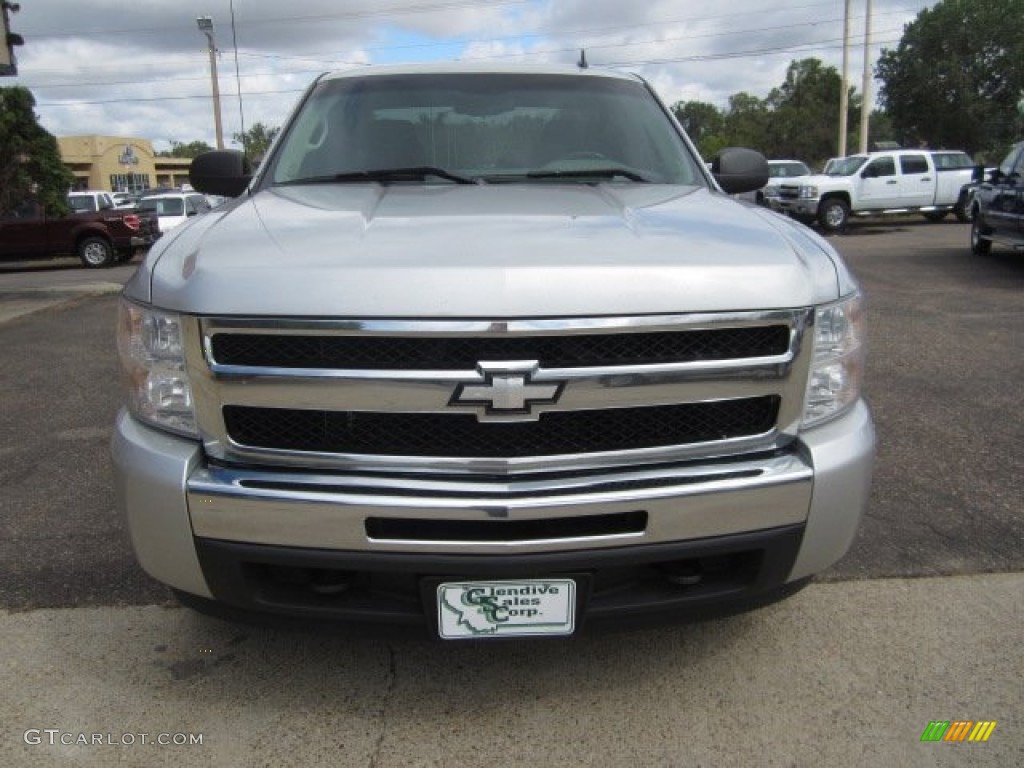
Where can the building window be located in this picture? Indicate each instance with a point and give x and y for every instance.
(129, 182)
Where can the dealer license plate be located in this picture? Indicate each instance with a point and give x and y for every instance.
(476, 609)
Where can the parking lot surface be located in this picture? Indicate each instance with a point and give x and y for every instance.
(920, 622)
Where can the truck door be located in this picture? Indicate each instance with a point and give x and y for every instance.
(917, 181)
(1006, 208)
(24, 231)
(1018, 183)
(879, 185)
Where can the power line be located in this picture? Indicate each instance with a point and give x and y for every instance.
(801, 47)
(380, 12)
(692, 58)
(143, 99)
(537, 52)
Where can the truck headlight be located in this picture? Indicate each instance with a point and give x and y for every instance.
(149, 343)
(808, 191)
(837, 370)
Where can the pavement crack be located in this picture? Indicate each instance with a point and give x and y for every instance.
(385, 707)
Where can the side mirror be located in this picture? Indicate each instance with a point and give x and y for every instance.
(221, 172)
(739, 170)
(978, 174)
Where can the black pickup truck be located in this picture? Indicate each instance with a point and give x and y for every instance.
(99, 238)
(998, 205)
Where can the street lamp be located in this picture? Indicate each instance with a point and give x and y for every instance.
(205, 24)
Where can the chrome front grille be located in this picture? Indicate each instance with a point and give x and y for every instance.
(462, 435)
(495, 398)
(462, 353)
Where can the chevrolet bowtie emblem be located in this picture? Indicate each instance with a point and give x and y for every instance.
(507, 392)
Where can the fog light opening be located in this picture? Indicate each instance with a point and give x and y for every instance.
(684, 573)
(325, 582)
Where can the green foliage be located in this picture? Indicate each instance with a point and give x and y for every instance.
(192, 149)
(256, 140)
(957, 77)
(805, 117)
(30, 162)
(799, 119)
(703, 123)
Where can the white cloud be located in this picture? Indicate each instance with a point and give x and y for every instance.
(138, 67)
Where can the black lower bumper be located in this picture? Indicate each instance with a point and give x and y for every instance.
(626, 586)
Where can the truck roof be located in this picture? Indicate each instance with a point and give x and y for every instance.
(484, 68)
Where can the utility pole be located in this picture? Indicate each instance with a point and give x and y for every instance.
(205, 24)
(844, 95)
(865, 109)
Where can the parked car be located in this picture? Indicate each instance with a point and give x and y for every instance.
(124, 199)
(777, 169)
(781, 169)
(90, 201)
(998, 205)
(174, 208)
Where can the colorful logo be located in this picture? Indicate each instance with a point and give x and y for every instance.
(958, 730)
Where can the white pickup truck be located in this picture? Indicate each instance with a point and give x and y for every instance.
(901, 181)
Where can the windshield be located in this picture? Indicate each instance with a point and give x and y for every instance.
(846, 166)
(82, 203)
(787, 170)
(89, 203)
(169, 206)
(450, 128)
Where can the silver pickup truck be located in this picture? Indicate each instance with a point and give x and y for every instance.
(492, 352)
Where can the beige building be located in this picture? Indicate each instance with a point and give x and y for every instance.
(120, 164)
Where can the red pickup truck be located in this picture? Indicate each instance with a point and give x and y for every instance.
(98, 238)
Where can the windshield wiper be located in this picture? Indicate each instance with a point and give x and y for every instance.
(585, 173)
(413, 173)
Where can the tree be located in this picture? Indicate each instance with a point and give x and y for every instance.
(804, 120)
(30, 162)
(256, 140)
(704, 123)
(747, 122)
(799, 119)
(192, 149)
(957, 76)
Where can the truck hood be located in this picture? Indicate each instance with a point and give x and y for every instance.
(503, 250)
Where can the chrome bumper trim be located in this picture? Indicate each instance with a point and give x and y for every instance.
(329, 511)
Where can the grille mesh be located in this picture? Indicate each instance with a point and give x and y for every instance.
(463, 353)
(460, 435)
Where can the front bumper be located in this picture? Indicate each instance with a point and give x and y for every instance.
(263, 540)
(799, 208)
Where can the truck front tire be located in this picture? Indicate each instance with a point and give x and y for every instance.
(980, 245)
(96, 252)
(833, 214)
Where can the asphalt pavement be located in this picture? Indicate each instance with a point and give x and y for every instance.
(920, 622)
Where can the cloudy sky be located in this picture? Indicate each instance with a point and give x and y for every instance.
(140, 68)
